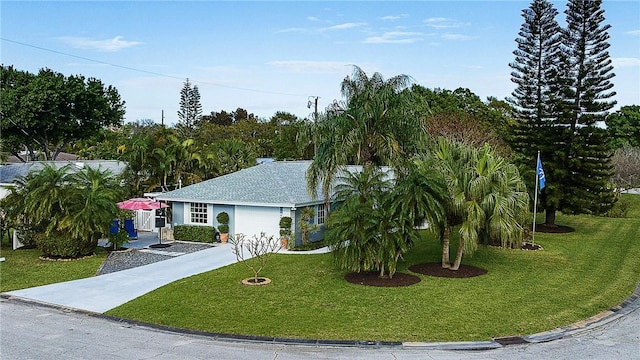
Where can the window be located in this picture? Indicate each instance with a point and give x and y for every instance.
(198, 213)
(321, 214)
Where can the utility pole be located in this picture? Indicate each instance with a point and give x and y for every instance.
(315, 121)
(162, 118)
(315, 111)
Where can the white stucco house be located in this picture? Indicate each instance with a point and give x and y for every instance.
(255, 199)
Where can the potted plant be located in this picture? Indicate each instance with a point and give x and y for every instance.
(285, 231)
(223, 226)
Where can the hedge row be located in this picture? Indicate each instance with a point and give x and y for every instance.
(60, 245)
(194, 233)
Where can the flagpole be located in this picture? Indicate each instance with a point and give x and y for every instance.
(535, 202)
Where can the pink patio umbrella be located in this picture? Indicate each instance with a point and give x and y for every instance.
(141, 204)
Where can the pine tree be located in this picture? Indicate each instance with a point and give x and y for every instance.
(586, 90)
(562, 93)
(190, 110)
(535, 72)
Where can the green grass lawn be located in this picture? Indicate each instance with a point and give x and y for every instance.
(577, 276)
(23, 269)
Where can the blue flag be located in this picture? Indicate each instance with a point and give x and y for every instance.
(540, 172)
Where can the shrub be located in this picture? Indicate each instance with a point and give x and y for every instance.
(26, 236)
(119, 239)
(619, 210)
(57, 244)
(285, 226)
(194, 233)
(223, 220)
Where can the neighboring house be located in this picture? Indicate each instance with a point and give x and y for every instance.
(62, 156)
(255, 199)
(9, 173)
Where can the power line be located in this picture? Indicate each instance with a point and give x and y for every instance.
(146, 71)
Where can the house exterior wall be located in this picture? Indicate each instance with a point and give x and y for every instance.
(250, 220)
(315, 236)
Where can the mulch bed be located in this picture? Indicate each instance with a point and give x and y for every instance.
(436, 269)
(530, 246)
(372, 278)
(554, 229)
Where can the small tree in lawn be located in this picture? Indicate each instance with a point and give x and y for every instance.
(259, 248)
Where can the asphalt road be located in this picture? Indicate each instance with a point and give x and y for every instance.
(30, 331)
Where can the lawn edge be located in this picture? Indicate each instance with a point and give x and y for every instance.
(629, 305)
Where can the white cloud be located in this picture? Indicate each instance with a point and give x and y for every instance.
(312, 18)
(457, 37)
(288, 30)
(301, 66)
(444, 23)
(344, 26)
(111, 45)
(625, 62)
(633, 32)
(395, 37)
(394, 17)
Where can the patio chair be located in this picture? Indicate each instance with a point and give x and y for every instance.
(115, 227)
(130, 228)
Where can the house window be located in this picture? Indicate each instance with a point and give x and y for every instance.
(198, 213)
(321, 214)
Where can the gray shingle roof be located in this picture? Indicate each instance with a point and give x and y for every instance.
(10, 172)
(280, 183)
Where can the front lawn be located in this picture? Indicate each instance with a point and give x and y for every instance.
(577, 276)
(23, 269)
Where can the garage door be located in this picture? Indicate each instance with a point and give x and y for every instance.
(252, 220)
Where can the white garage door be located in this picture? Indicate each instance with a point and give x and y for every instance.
(254, 220)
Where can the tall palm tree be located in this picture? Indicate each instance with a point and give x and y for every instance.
(374, 126)
(486, 194)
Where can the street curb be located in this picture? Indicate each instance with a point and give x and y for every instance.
(631, 304)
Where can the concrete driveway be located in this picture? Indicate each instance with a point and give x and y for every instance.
(105, 292)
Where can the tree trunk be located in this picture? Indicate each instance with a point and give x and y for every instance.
(445, 248)
(381, 271)
(550, 216)
(456, 264)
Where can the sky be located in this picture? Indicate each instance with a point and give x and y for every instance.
(269, 56)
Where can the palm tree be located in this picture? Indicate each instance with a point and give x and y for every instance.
(376, 223)
(45, 192)
(486, 194)
(68, 211)
(358, 229)
(233, 155)
(419, 195)
(90, 207)
(377, 123)
(374, 126)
